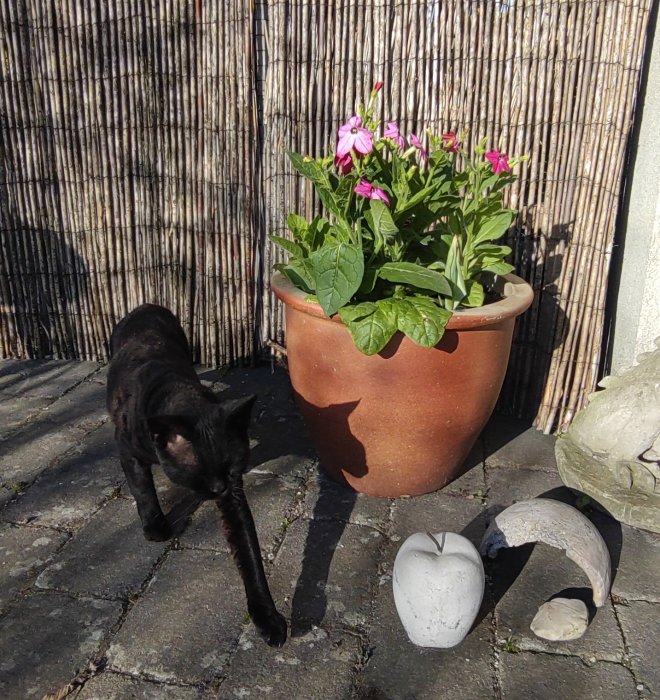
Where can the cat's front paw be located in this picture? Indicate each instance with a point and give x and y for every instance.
(157, 531)
(272, 627)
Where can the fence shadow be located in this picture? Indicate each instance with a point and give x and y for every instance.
(43, 281)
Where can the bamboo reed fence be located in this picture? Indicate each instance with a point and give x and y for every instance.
(143, 157)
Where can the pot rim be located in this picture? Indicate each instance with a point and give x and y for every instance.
(517, 297)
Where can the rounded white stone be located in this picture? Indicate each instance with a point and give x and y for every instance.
(561, 619)
(438, 584)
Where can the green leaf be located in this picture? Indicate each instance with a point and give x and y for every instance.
(338, 271)
(290, 247)
(355, 312)
(368, 280)
(298, 227)
(422, 320)
(306, 166)
(371, 332)
(454, 271)
(415, 275)
(500, 268)
(299, 273)
(316, 233)
(379, 219)
(495, 250)
(312, 170)
(475, 294)
(493, 227)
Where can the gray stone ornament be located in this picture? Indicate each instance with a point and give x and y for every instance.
(611, 452)
(438, 583)
(559, 525)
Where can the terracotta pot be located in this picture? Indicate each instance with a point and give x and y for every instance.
(403, 421)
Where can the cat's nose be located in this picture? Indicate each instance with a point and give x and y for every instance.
(217, 486)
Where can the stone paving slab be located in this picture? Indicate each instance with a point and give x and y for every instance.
(31, 450)
(71, 490)
(186, 624)
(640, 622)
(6, 495)
(47, 638)
(271, 501)
(179, 625)
(16, 410)
(328, 500)
(508, 485)
(438, 512)
(112, 686)
(324, 572)
(45, 380)
(23, 552)
(547, 677)
(108, 558)
(81, 409)
(319, 664)
(638, 568)
(545, 574)
(471, 483)
(509, 442)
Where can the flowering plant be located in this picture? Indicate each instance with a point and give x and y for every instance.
(410, 233)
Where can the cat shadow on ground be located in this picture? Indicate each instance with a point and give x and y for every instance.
(332, 511)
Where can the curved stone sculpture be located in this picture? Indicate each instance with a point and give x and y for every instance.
(438, 583)
(612, 450)
(559, 525)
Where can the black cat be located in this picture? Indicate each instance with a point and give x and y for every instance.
(162, 413)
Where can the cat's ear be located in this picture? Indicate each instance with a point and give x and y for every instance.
(169, 431)
(237, 413)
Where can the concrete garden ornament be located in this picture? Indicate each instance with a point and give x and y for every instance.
(438, 582)
(611, 452)
(564, 527)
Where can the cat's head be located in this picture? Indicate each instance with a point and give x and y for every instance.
(202, 453)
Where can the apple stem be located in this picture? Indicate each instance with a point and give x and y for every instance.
(437, 544)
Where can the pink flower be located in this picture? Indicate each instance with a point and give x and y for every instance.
(366, 189)
(450, 142)
(392, 132)
(378, 86)
(418, 145)
(353, 136)
(344, 164)
(499, 161)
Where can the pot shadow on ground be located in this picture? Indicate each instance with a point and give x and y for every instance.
(503, 570)
(332, 512)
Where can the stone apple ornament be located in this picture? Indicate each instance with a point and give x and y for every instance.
(438, 582)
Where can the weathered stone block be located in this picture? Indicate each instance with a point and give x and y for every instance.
(327, 500)
(324, 572)
(271, 500)
(108, 557)
(186, 623)
(23, 551)
(71, 490)
(47, 638)
(318, 664)
(547, 677)
(111, 686)
(640, 622)
(40, 379)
